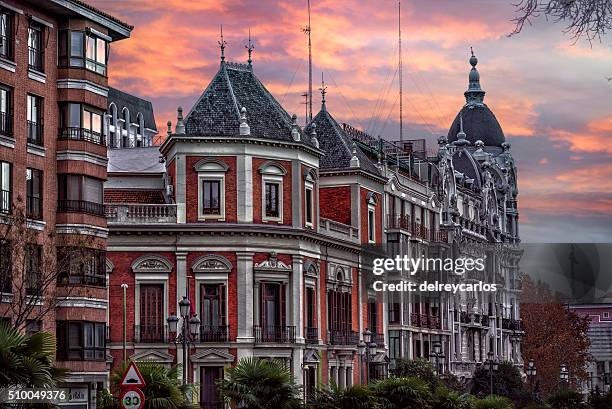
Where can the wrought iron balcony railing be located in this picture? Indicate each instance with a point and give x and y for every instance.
(343, 337)
(214, 333)
(81, 134)
(80, 206)
(275, 334)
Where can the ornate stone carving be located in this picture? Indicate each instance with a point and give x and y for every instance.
(273, 263)
(151, 263)
(212, 263)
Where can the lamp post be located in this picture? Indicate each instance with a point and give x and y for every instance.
(493, 367)
(564, 375)
(188, 332)
(367, 350)
(531, 374)
(437, 355)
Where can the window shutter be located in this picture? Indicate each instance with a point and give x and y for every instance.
(222, 304)
(283, 305)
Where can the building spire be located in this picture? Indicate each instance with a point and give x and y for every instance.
(474, 94)
(307, 30)
(323, 90)
(222, 44)
(250, 47)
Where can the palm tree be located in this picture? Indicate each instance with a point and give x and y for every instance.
(494, 402)
(260, 384)
(163, 389)
(335, 397)
(449, 399)
(27, 361)
(399, 393)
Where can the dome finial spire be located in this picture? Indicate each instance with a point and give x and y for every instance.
(474, 94)
(323, 90)
(250, 47)
(222, 44)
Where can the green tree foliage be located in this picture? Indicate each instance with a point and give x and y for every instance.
(494, 402)
(163, 390)
(400, 393)
(566, 399)
(354, 397)
(600, 401)
(507, 381)
(27, 361)
(449, 399)
(260, 384)
(417, 368)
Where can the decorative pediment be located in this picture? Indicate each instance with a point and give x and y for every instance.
(153, 356)
(311, 356)
(211, 165)
(272, 168)
(109, 266)
(212, 355)
(211, 263)
(151, 263)
(371, 198)
(311, 268)
(273, 264)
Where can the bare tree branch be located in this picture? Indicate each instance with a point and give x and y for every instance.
(590, 19)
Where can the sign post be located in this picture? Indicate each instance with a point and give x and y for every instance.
(132, 396)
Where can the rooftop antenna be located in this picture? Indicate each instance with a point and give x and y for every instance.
(307, 31)
(401, 104)
(306, 99)
(250, 47)
(222, 44)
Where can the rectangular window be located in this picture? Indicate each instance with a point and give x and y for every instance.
(81, 266)
(36, 55)
(78, 193)
(34, 282)
(34, 189)
(272, 200)
(32, 327)
(6, 196)
(373, 317)
(371, 227)
(309, 208)
(34, 115)
(81, 122)
(6, 34)
(81, 341)
(211, 197)
(95, 54)
(152, 313)
(83, 50)
(6, 112)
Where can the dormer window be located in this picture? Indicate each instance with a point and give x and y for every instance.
(211, 189)
(272, 176)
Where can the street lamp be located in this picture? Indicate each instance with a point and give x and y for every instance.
(188, 332)
(367, 350)
(531, 373)
(438, 355)
(493, 367)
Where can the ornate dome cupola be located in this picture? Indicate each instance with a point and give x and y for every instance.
(479, 123)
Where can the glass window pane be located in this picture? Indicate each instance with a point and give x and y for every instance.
(3, 100)
(92, 190)
(96, 123)
(30, 107)
(101, 51)
(87, 120)
(76, 44)
(91, 48)
(74, 113)
(6, 176)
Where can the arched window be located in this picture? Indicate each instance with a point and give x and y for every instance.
(125, 134)
(139, 130)
(112, 126)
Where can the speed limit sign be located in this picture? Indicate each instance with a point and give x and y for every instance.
(132, 398)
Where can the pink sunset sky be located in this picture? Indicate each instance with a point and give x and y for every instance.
(550, 95)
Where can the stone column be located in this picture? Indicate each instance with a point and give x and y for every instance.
(244, 270)
(297, 297)
(297, 194)
(244, 183)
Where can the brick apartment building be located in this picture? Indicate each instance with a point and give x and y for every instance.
(260, 225)
(53, 97)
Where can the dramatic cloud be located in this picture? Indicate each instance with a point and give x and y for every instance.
(551, 96)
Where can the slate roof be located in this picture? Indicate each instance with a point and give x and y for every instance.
(337, 145)
(217, 111)
(464, 163)
(134, 104)
(134, 160)
(479, 123)
(141, 196)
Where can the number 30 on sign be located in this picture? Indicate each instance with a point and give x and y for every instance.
(132, 399)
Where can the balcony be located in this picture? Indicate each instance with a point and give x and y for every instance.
(403, 222)
(275, 334)
(425, 321)
(34, 208)
(312, 335)
(514, 325)
(35, 133)
(36, 59)
(140, 213)
(338, 230)
(5, 201)
(147, 334)
(343, 337)
(81, 134)
(214, 333)
(80, 206)
(6, 124)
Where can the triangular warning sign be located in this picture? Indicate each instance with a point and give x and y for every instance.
(132, 377)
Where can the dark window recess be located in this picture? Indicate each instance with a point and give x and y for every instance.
(309, 208)
(213, 313)
(6, 266)
(373, 317)
(211, 197)
(32, 327)
(81, 266)
(34, 112)
(81, 341)
(81, 122)
(6, 195)
(34, 279)
(6, 111)
(36, 52)
(152, 327)
(272, 200)
(34, 199)
(371, 225)
(6, 34)
(82, 194)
